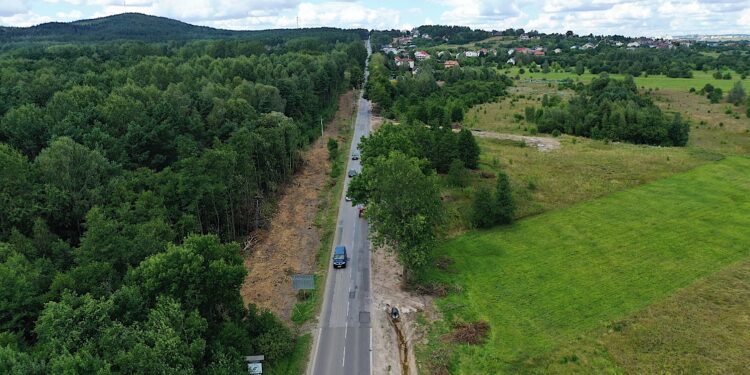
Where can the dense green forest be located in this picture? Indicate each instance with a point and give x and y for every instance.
(127, 170)
(611, 109)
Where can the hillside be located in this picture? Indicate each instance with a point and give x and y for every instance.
(136, 26)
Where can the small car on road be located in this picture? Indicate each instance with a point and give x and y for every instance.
(355, 155)
(339, 257)
(352, 173)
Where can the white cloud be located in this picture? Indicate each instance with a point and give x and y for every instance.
(72, 15)
(333, 13)
(485, 14)
(13, 7)
(24, 19)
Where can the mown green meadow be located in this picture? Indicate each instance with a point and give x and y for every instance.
(550, 279)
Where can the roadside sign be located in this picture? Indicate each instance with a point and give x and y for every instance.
(255, 368)
(303, 282)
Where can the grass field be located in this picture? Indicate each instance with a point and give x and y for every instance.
(700, 78)
(547, 280)
(702, 329)
(576, 172)
(718, 127)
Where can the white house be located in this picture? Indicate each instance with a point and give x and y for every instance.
(421, 55)
(557, 50)
(471, 53)
(587, 46)
(510, 51)
(511, 61)
(634, 45)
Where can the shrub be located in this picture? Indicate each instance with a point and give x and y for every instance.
(333, 149)
(481, 209)
(458, 176)
(503, 205)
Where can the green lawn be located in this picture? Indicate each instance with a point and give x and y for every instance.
(549, 279)
(700, 78)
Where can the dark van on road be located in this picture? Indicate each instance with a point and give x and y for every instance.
(339, 257)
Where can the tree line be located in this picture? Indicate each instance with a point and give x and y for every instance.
(125, 175)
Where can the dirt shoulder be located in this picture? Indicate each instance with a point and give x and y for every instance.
(288, 246)
(387, 347)
(541, 143)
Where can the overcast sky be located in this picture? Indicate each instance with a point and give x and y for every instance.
(648, 17)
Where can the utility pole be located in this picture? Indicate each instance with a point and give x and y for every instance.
(321, 126)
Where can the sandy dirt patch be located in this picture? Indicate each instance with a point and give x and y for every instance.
(541, 143)
(387, 279)
(289, 244)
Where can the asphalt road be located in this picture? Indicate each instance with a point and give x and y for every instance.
(344, 341)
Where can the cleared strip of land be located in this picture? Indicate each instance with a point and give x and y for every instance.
(552, 278)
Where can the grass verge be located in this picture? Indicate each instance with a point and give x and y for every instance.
(295, 363)
(547, 280)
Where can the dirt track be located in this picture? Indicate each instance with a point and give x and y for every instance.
(289, 245)
(541, 143)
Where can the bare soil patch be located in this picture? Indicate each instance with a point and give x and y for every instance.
(540, 143)
(289, 244)
(474, 333)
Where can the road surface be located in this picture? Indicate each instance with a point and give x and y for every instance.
(344, 340)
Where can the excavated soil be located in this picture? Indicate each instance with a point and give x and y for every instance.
(393, 343)
(289, 244)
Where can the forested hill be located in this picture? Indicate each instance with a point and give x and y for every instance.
(136, 26)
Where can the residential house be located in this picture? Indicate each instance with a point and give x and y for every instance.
(404, 61)
(557, 50)
(421, 55)
(523, 50)
(511, 61)
(510, 51)
(538, 53)
(634, 45)
(588, 46)
(451, 64)
(524, 37)
(471, 53)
